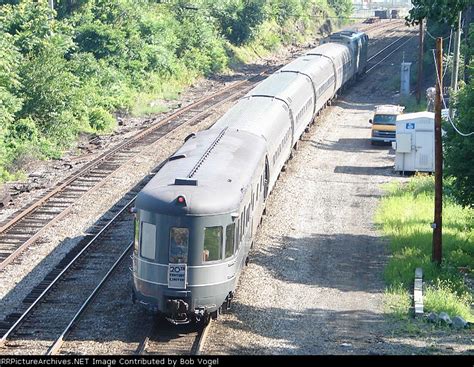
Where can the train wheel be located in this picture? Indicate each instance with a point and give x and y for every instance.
(206, 319)
(216, 313)
(228, 303)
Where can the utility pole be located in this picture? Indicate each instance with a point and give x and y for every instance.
(455, 71)
(437, 225)
(419, 84)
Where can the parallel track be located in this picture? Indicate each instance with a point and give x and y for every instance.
(94, 263)
(382, 55)
(22, 230)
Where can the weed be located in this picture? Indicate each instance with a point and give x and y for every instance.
(405, 216)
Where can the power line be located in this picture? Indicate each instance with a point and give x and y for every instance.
(449, 50)
(433, 37)
(444, 101)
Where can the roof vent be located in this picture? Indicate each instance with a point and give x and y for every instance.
(177, 156)
(206, 154)
(192, 135)
(185, 182)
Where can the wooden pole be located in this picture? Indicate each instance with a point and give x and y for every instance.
(419, 85)
(437, 225)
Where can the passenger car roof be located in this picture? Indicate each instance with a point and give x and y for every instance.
(211, 170)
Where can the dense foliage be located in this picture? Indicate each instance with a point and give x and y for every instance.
(443, 11)
(459, 150)
(68, 70)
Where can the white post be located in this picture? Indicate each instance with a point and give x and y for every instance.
(455, 71)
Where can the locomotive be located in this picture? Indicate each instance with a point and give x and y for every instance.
(195, 221)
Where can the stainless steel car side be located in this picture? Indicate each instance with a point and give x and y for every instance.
(196, 219)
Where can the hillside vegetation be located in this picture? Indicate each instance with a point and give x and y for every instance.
(69, 70)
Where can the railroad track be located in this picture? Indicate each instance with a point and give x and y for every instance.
(165, 338)
(55, 305)
(377, 27)
(378, 58)
(25, 228)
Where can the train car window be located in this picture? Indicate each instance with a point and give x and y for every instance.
(248, 215)
(137, 235)
(229, 240)
(237, 239)
(148, 241)
(212, 243)
(241, 226)
(179, 243)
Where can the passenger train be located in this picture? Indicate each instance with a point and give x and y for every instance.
(197, 218)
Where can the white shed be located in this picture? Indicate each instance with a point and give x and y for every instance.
(414, 146)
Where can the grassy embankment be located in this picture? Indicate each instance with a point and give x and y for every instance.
(405, 215)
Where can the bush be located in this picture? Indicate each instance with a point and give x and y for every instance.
(237, 19)
(101, 120)
(10, 103)
(459, 149)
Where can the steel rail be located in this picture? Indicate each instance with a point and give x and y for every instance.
(202, 339)
(196, 343)
(60, 340)
(391, 53)
(389, 45)
(59, 276)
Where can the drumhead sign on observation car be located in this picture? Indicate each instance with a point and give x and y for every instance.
(177, 276)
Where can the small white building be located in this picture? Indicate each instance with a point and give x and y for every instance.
(414, 145)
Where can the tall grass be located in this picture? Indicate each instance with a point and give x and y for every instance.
(405, 216)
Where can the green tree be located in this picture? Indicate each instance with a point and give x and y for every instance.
(10, 103)
(237, 19)
(459, 150)
(443, 11)
(343, 8)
